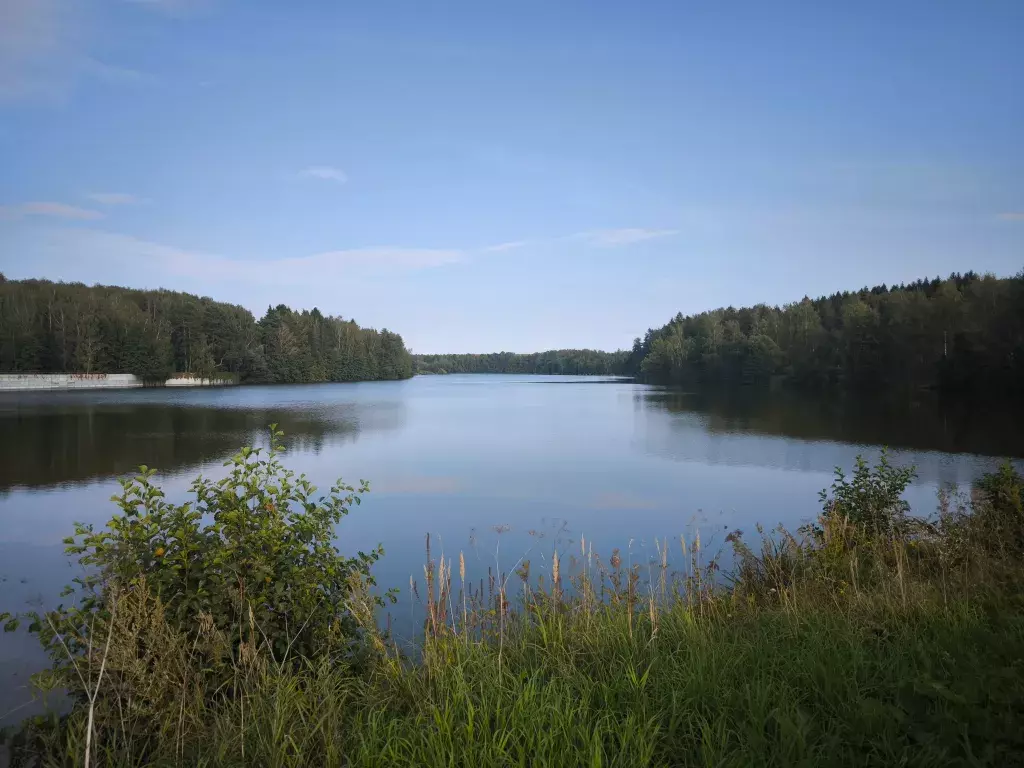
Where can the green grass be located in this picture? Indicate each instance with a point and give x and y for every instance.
(934, 685)
(775, 689)
(847, 647)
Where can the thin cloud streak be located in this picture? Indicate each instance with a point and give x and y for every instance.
(325, 173)
(171, 263)
(301, 270)
(598, 238)
(614, 238)
(115, 198)
(386, 257)
(57, 210)
(112, 73)
(501, 247)
(1012, 216)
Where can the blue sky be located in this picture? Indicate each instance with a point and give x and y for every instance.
(525, 175)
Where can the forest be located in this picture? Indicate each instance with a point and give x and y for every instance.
(574, 362)
(964, 333)
(48, 327)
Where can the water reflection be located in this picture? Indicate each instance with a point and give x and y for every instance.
(924, 425)
(56, 441)
(948, 443)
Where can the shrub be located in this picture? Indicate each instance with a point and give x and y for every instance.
(251, 561)
(873, 498)
(998, 511)
(1004, 490)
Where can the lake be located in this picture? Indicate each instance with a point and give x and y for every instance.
(458, 456)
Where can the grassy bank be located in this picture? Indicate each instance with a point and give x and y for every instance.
(870, 638)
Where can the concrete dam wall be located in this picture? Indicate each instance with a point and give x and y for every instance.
(41, 382)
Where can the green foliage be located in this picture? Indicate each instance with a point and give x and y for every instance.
(71, 328)
(1004, 490)
(872, 498)
(1000, 509)
(572, 362)
(252, 559)
(962, 333)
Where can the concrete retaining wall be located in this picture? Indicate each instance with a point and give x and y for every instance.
(190, 381)
(32, 382)
(47, 381)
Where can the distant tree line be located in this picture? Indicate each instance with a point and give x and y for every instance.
(572, 362)
(48, 327)
(964, 333)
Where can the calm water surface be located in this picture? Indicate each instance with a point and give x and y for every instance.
(457, 456)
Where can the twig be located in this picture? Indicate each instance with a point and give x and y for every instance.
(99, 681)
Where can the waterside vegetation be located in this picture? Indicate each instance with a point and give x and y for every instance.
(231, 631)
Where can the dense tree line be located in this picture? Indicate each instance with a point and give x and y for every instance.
(556, 361)
(962, 333)
(48, 327)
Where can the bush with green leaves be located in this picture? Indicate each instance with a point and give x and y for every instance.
(997, 512)
(252, 558)
(872, 499)
(861, 517)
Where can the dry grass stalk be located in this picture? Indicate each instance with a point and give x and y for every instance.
(465, 611)
(428, 574)
(555, 576)
(663, 549)
(653, 614)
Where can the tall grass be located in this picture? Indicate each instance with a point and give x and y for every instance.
(842, 644)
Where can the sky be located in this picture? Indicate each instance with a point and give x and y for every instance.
(483, 176)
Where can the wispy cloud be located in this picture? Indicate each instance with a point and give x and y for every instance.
(510, 246)
(598, 238)
(316, 269)
(316, 274)
(57, 210)
(1012, 216)
(115, 198)
(386, 258)
(112, 73)
(325, 172)
(613, 238)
